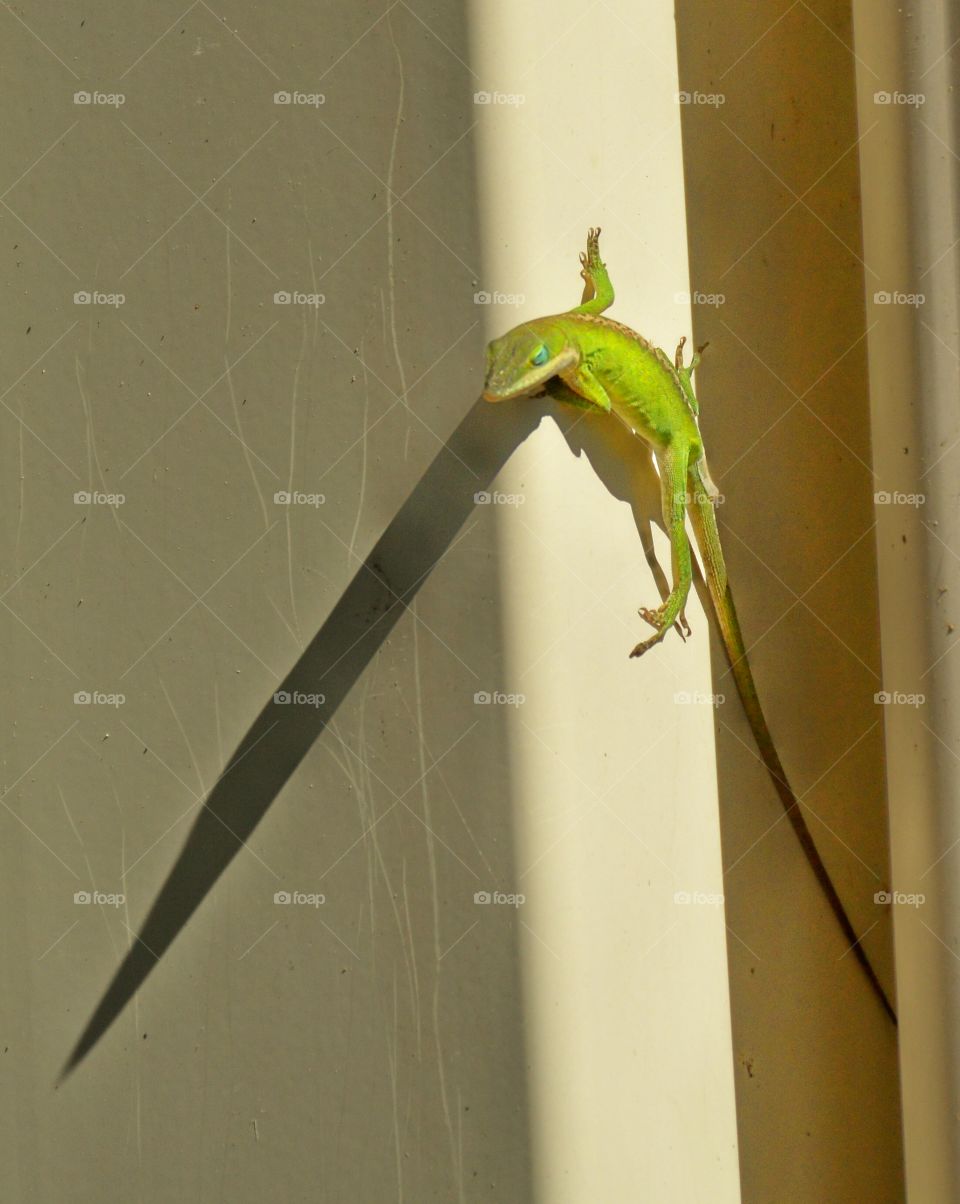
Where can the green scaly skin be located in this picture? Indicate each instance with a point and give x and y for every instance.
(585, 359)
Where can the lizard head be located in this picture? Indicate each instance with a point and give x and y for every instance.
(523, 360)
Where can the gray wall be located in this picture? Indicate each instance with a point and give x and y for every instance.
(369, 1048)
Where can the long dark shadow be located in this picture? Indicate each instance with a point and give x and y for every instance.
(422, 531)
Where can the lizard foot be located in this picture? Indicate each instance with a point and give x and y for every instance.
(653, 617)
(592, 254)
(695, 360)
(646, 645)
(656, 619)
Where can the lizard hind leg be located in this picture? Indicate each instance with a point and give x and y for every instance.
(673, 493)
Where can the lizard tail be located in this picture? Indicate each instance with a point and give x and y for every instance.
(704, 524)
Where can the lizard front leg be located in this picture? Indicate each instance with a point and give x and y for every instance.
(597, 289)
(558, 390)
(672, 462)
(584, 381)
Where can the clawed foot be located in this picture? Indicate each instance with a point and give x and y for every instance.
(646, 645)
(678, 354)
(656, 620)
(592, 254)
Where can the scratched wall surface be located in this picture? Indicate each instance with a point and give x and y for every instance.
(771, 141)
(240, 254)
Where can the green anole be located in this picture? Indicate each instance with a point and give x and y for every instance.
(590, 361)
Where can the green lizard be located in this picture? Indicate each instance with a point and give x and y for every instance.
(590, 361)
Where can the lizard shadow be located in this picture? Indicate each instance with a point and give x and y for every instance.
(334, 660)
(279, 738)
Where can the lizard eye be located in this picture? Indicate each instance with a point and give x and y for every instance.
(540, 356)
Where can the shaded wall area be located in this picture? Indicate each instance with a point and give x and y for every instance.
(194, 473)
(778, 277)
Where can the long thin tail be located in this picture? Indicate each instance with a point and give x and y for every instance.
(708, 540)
